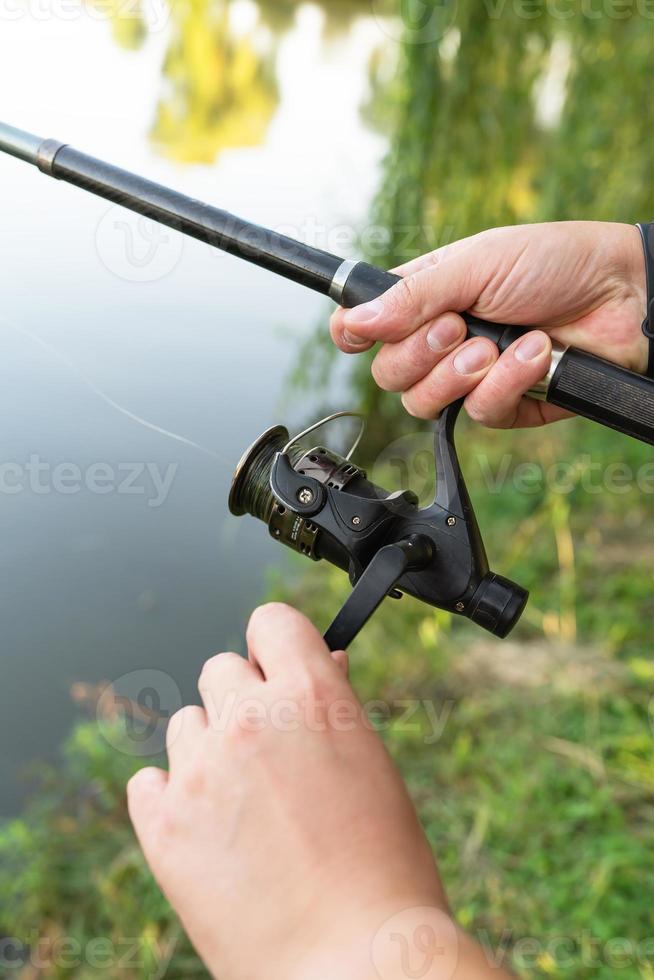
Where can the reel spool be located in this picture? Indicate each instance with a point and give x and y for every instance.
(322, 505)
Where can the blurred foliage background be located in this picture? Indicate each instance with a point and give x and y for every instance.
(538, 793)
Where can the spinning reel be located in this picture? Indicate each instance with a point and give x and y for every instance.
(322, 505)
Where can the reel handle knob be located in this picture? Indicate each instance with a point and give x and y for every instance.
(497, 605)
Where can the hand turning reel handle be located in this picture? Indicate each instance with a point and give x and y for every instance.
(323, 506)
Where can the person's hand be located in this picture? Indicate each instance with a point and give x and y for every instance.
(283, 834)
(581, 283)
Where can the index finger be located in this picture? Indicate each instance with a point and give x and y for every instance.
(280, 639)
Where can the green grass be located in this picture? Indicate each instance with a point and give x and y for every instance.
(74, 887)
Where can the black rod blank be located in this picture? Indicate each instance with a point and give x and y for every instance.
(284, 256)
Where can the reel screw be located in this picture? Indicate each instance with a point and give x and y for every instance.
(451, 521)
(356, 521)
(460, 606)
(305, 495)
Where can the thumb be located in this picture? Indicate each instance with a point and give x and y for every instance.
(452, 281)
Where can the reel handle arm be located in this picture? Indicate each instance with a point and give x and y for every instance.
(577, 381)
(381, 576)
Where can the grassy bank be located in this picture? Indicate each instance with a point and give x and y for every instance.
(531, 762)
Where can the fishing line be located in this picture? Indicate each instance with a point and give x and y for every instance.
(258, 498)
(107, 399)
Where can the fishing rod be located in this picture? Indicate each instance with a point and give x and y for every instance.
(577, 381)
(320, 503)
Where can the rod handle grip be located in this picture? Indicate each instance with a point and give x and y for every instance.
(606, 393)
(582, 383)
(366, 283)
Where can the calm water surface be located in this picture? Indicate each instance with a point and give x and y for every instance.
(101, 316)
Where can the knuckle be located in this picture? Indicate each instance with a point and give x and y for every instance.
(167, 826)
(489, 411)
(209, 669)
(156, 827)
(260, 615)
(270, 609)
(427, 414)
(135, 786)
(438, 255)
(406, 295)
(217, 665)
(381, 371)
(242, 731)
(194, 779)
(336, 332)
(412, 407)
(310, 687)
(495, 396)
(177, 723)
(177, 720)
(476, 411)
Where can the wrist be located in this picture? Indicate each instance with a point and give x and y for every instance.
(630, 245)
(422, 941)
(635, 265)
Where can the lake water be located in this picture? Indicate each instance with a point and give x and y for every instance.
(117, 551)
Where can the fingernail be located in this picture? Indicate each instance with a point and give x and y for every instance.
(473, 359)
(531, 347)
(405, 404)
(364, 314)
(443, 335)
(353, 340)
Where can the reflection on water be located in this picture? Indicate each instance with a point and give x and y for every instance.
(94, 586)
(339, 14)
(219, 74)
(220, 84)
(128, 25)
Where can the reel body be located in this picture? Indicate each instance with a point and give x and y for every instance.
(323, 506)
